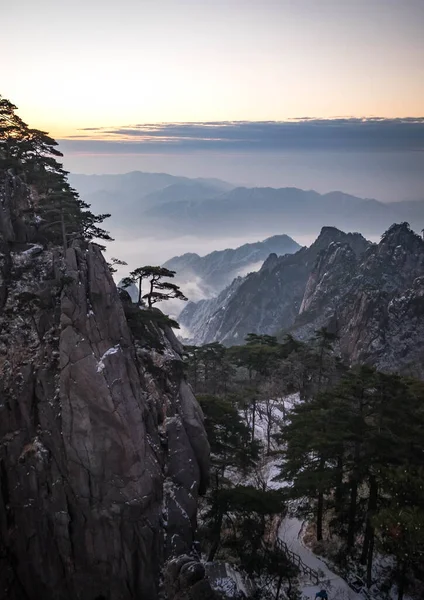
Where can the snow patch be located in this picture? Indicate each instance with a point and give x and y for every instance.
(113, 350)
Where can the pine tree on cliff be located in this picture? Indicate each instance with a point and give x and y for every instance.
(59, 214)
(159, 290)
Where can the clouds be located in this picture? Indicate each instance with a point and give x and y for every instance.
(307, 134)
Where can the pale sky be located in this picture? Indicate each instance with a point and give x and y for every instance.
(70, 64)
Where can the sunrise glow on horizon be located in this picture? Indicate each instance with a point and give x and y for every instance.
(114, 65)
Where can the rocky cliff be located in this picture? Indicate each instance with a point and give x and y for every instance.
(264, 302)
(374, 302)
(103, 452)
(370, 295)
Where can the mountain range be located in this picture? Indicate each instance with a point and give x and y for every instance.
(371, 295)
(127, 196)
(178, 206)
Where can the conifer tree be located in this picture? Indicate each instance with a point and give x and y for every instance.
(159, 290)
(57, 212)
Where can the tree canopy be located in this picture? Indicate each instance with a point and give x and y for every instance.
(55, 210)
(159, 290)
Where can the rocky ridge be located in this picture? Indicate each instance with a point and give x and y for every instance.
(375, 302)
(370, 295)
(103, 452)
(263, 302)
(216, 270)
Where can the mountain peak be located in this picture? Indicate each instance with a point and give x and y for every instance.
(270, 262)
(401, 234)
(329, 230)
(329, 235)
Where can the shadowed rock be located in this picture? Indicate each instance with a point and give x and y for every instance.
(102, 446)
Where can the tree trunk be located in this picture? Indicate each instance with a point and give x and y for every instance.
(320, 511)
(280, 581)
(253, 419)
(149, 297)
(320, 507)
(370, 559)
(216, 538)
(339, 485)
(289, 589)
(368, 547)
(402, 581)
(139, 291)
(218, 521)
(352, 514)
(268, 436)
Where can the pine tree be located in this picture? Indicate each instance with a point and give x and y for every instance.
(400, 524)
(57, 212)
(228, 438)
(159, 290)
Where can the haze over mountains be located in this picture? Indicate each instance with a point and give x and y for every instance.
(156, 216)
(179, 205)
(213, 272)
(267, 301)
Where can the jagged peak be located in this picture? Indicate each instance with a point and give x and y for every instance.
(400, 234)
(331, 234)
(330, 230)
(269, 263)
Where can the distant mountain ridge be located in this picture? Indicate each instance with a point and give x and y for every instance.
(175, 206)
(217, 269)
(127, 196)
(139, 182)
(291, 209)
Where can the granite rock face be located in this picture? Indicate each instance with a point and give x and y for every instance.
(102, 447)
(375, 302)
(370, 295)
(267, 301)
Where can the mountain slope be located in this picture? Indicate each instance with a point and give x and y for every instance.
(375, 303)
(103, 450)
(371, 295)
(266, 301)
(217, 269)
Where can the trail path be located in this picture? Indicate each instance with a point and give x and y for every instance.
(336, 587)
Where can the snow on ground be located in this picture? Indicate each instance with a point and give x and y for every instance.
(337, 589)
(227, 579)
(290, 530)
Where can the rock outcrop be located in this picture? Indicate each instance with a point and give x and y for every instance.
(370, 295)
(103, 452)
(264, 302)
(375, 303)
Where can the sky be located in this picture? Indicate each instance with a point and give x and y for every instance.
(258, 92)
(316, 94)
(89, 63)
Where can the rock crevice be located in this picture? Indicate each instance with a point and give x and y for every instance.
(102, 447)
